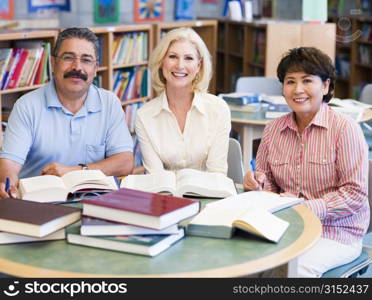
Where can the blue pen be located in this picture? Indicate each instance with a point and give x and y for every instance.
(253, 165)
(7, 185)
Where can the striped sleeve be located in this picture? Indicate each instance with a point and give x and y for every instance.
(352, 170)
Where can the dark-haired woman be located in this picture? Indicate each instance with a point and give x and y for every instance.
(320, 155)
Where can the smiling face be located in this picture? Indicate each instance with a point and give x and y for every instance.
(304, 93)
(75, 66)
(180, 65)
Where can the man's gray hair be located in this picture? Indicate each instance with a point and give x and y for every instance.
(75, 32)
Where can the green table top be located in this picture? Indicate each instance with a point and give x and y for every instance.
(190, 257)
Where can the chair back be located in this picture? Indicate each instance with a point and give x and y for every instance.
(366, 94)
(260, 85)
(235, 169)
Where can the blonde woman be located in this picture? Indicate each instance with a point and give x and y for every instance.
(184, 127)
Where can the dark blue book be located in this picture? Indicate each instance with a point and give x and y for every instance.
(241, 99)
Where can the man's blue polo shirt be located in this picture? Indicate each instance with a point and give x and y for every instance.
(40, 130)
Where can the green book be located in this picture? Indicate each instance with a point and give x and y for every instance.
(149, 245)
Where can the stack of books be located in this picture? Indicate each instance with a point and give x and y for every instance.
(276, 106)
(132, 221)
(29, 221)
(246, 102)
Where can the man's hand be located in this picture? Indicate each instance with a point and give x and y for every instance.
(254, 181)
(13, 192)
(58, 169)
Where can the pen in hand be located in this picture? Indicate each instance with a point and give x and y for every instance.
(7, 185)
(255, 175)
(253, 164)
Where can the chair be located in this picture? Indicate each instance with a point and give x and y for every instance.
(261, 85)
(235, 169)
(360, 265)
(366, 94)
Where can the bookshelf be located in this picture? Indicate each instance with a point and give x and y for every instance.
(207, 29)
(107, 65)
(255, 48)
(361, 56)
(116, 72)
(9, 39)
(353, 54)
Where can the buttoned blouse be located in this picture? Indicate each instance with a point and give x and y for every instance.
(327, 165)
(203, 145)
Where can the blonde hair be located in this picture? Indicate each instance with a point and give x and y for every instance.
(201, 81)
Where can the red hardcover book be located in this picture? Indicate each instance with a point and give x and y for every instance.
(40, 68)
(33, 218)
(141, 208)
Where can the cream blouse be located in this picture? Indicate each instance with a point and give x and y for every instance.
(203, 145)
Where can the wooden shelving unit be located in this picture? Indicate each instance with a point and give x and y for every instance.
(7, 40)
(107, 68)
(254, 49)
(353, 70)
(207, 29)
(361, 56)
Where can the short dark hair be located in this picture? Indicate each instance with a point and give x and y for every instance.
(311, 61)
(75, 32)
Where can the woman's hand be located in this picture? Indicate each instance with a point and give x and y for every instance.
(253, 181)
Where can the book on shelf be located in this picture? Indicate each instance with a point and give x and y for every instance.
(250, 211)
(10, 68)
(185, 182)
(27, 67)
(93, 226)
(149, 245)
(16, 76)
(5, 56)
(13, 238)
(350, 107)
(33, 218)
(140, 208)
(51, 188)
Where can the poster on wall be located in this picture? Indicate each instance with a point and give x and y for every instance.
(106, 11)
(185, 10)
(36, 5)
(6, 9)
(148, 10)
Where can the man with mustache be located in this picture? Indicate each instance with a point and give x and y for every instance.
(68, 124)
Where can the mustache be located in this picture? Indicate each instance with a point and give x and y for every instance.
(75, 73)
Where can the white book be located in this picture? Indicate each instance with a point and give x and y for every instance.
(97, 227)
(269, 201)
(183, 182)
(51, 188)
(13, 238)
(250, 211)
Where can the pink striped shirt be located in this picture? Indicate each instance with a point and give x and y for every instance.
(327, 165)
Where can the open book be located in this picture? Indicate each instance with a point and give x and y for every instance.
(51, 188)
(187, 182)
(250, 211)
